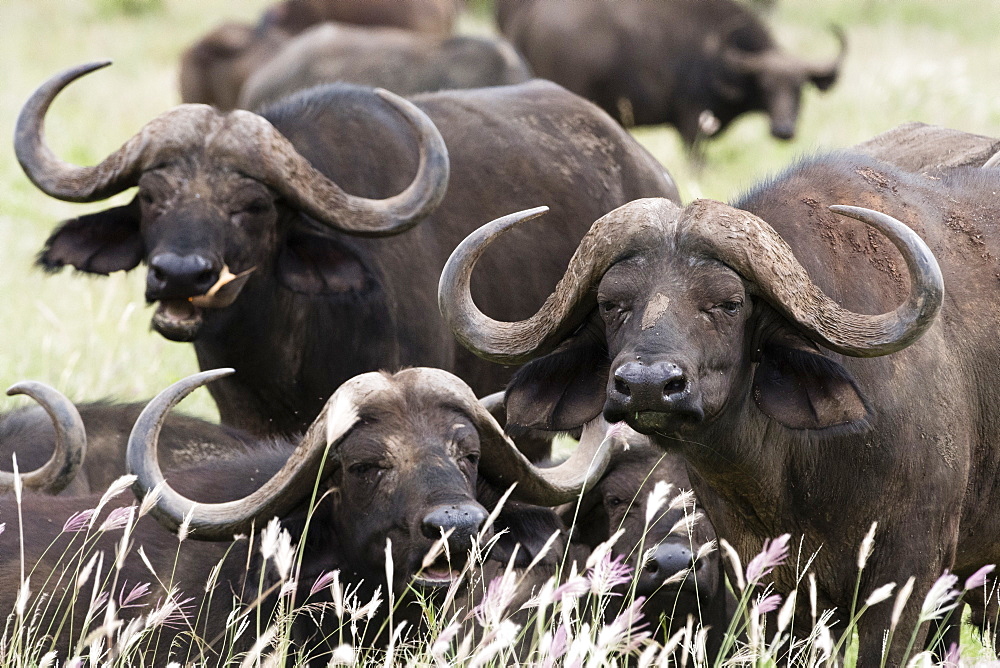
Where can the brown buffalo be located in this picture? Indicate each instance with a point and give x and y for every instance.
(406, 457)
(816, 373)
(214, 69)
(695, 64)
(287, 245)
(402, 61)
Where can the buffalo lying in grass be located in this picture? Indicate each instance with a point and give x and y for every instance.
(739, 338)
(671, 548)
(214, 69)
(258, 255)
(398, 60)
(398, 460)
(33, 436)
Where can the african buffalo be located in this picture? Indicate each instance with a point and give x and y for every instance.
(662, 549)
(393, 457)
(57, 467)
(186, 440)
(402, 61)
(214, 68)
(695, 64)
(258, 255)
(740, 338)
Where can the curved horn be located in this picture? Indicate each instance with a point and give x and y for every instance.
(70, 447)
(752, 247)
(612, 236)
(247, 140)
(994, 161)
(827, 72)
(220, 521)
(53, 176)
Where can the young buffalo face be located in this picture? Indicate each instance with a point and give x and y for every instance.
(400, 459)
(662, 544)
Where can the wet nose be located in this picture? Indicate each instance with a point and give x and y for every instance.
(783, 131)
(669, 559)
(649, 387)
(173, 276)
(463, 519)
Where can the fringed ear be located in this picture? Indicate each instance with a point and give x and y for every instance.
(313, 265)
(97, 243)
(562, 390)
(803, 389)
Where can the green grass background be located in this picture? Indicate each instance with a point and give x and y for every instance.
(926, 60)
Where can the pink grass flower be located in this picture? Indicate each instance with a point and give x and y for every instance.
(608, 573)
(322, 582)
(768, 604)
(78, 521)
(119, 518)
(978, 579)
(137, 592)
(774, 554)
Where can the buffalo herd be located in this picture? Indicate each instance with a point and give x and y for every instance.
(408, 260)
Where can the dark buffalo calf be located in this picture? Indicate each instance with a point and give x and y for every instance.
(404, 458)
(620, 501)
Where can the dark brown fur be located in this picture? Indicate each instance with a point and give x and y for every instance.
(917, 452)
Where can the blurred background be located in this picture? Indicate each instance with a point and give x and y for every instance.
(907, 60)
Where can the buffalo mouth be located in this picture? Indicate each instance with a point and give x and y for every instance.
(654, 422)
(440, 573)
(178, 319)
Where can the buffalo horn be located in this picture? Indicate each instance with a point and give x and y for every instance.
(71, 441)
(221, 521)
(752, 247)
(613, 235)
(247, 142)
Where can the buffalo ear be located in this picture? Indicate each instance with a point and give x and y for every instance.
(313, 265)
(587, 521)
(803, 389)
(562, 390)
(824, 81)
(98, 243)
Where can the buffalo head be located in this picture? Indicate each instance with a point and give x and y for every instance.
(667, 318)
(770, 80)
(219, 197)
(392, 457)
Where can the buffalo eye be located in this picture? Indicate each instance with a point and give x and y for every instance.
(472, 458)
(615, 501)
(612, 312)
(252, 208)
(369, 472)
(731, 307)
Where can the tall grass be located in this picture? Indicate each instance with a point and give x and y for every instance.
(560, 610)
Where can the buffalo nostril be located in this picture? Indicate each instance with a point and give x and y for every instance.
(651, 567)
(622, 387)
(675, 386)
